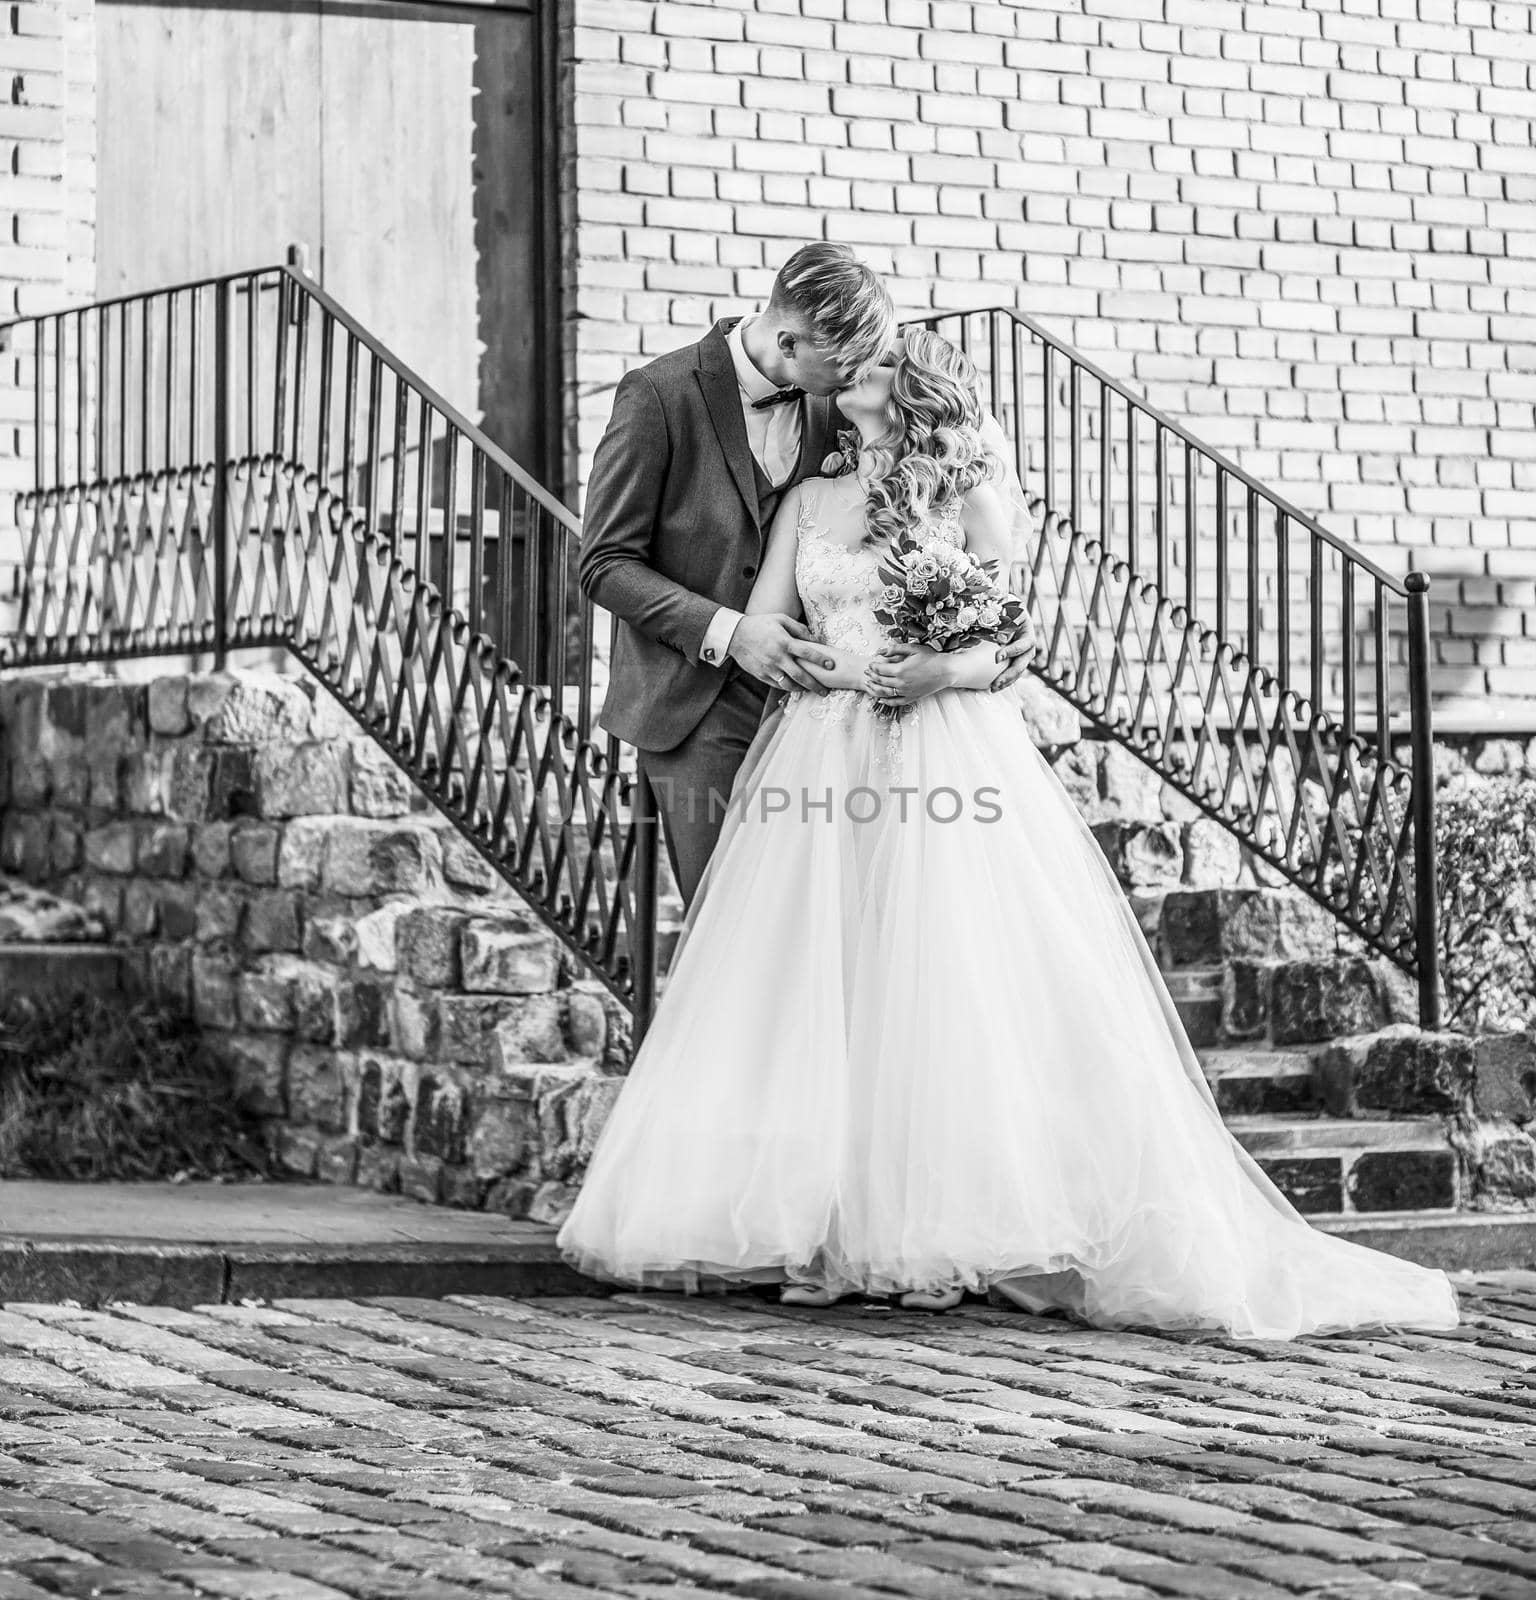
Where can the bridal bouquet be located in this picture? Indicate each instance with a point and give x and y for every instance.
(940, 595)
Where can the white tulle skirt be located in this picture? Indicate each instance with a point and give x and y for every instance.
(914, 1041)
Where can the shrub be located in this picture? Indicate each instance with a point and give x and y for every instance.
(1486, 839)
(101, 1088)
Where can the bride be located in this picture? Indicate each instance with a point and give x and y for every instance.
(913, 1040)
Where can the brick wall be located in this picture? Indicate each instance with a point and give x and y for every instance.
(47, 179)
(1306, 230)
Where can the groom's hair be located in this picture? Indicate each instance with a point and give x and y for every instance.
(842, 302)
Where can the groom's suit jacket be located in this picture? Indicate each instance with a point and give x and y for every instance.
(672, 531)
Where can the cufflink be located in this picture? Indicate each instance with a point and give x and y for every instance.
(708, 653)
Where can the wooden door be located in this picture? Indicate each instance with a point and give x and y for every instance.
(407, 146)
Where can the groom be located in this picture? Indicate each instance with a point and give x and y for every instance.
(702, 445)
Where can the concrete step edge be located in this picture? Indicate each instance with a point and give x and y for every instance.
(1328, 1133)
(1236, 1062)
(64, 969)
(1455, 1241)
(61, 947)
(147, 1271)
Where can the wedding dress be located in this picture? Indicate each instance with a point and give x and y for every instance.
(910, 1042)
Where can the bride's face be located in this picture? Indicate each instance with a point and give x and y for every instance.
(871, 394)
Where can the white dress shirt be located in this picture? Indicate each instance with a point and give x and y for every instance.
(774, 437)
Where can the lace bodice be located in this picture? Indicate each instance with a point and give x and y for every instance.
(839, 579)
(839, 583)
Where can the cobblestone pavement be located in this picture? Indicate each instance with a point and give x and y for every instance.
(656, 1446)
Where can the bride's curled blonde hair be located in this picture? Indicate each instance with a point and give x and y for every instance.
(931, 452)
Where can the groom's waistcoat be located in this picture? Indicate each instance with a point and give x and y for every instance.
(769, 496)
(677, 518)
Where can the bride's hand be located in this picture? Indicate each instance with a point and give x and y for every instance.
(902, 673)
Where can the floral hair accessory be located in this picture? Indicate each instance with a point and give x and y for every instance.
(845, 458)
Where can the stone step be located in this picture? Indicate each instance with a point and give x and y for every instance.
(1372, 1180)
(1313, 1000)
(1270, 967)
(1353, 1165)
(1197, 997)
(1455, 1241)
(1322, 1132)
(1254, 1080)
(1398, 1070)
(203, 1243)
(1264, 1004)
(60, 969)
(1200, 927)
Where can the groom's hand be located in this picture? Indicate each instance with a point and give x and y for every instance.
(1018, 655)
(760, 645)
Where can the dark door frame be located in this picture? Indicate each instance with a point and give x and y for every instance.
(549, 312)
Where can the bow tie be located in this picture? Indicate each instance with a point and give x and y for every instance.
(779, 397)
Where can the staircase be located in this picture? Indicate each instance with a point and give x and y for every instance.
(1276, 678)
(1265, 987)
(236, 463)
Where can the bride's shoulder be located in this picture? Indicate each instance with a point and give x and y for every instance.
(822, 482)
(986, 520)
(984, 503)
(808, 491)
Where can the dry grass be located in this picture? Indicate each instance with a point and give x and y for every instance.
(95, 1087)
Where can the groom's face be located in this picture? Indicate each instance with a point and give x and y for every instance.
(818, 369)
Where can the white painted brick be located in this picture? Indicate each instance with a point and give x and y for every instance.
(1305, 230)
(855, 100)
(778, 96)
(699, 21)
(689, 215)
(959, 111)
(623, 16)
(866, 39)
(950, 78)
(761, 155)
(800, 32)
(621, 209)
(696, 88)
(907, 73)
(786, 191)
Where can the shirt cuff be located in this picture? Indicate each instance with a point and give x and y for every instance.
(717, 636)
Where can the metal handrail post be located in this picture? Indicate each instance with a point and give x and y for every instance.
(1426, 886)
(221, 475)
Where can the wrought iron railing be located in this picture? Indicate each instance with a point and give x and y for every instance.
(1244, 652)
(236, 462)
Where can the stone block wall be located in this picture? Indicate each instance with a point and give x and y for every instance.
(1307, 230)
(401, 1020)
(393, 1011)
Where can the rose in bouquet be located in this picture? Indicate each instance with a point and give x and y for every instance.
(940, 595)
